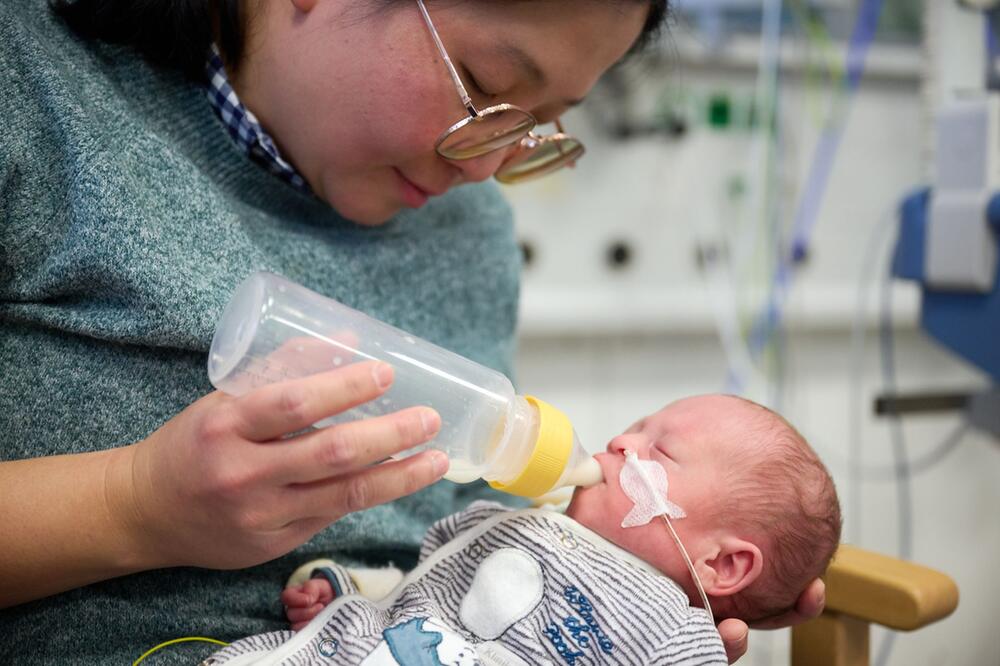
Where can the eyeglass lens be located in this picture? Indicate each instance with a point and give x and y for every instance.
(548, 154)
(492, 129)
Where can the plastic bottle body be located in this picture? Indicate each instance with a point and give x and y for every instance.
(274, 330)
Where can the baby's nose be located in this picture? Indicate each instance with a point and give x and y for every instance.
(629, 441)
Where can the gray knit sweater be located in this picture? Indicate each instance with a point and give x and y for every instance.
(127, 218)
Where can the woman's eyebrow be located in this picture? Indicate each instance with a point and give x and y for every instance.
(530, 68)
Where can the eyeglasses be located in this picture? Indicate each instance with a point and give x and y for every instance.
(501, 126)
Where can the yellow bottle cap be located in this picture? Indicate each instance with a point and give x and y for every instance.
(553, 448)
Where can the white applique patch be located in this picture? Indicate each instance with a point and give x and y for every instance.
(649, 495)
(507, 586)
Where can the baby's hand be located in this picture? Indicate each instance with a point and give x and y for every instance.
(304, 602)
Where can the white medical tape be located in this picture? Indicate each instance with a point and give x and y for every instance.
(645, 483)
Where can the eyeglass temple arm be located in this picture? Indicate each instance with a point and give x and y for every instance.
(466, 100)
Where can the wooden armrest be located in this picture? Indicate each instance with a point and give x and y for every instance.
(864, 587)
(887, 591)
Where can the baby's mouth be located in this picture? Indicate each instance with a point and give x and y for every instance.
(611, 464)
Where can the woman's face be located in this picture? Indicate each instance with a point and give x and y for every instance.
(355, 93)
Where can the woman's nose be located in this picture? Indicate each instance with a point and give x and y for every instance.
(628, 442)
(478, 169)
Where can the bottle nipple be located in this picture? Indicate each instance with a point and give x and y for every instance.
(587, 473)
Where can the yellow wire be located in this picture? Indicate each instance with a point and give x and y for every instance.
(176, 640)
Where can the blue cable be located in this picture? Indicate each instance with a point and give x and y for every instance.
(862, 36)
(992, 17)
(991, 23)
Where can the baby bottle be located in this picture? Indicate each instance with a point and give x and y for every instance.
(274, 329)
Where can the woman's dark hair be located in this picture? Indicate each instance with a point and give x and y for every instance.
(174, 33)
(177, 33)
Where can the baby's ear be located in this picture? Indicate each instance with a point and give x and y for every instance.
(736, 564)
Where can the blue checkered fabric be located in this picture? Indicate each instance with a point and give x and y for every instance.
(243, 126)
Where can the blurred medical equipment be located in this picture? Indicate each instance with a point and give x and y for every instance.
(767, 332)
(947, 242)
(949, 232)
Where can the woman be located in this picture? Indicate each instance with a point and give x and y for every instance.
(138, 505)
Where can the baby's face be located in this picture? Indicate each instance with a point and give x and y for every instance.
(692, 440)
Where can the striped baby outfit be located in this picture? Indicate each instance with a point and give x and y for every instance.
(502, 587)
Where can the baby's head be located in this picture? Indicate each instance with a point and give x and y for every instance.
(762, 520)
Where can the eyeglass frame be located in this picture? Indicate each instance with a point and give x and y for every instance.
(474, 113)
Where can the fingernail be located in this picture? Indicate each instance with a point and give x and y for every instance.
(439, 463)
(431, 422)
(383, 374)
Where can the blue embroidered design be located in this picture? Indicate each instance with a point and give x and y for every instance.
(411, 645)
(584, 631)
(589, 623)
(577, 631)
(559, 643)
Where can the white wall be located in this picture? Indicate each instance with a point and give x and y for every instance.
(610, 346)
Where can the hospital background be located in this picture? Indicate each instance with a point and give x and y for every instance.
(732, 228)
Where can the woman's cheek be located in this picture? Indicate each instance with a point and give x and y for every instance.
(424, 109)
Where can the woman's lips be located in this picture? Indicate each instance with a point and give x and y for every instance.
(414, 196)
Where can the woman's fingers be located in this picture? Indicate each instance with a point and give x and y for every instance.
(809, 605)
(349, 447)
(278, 409)
(734, 633)
(334, 498)
(812, 600)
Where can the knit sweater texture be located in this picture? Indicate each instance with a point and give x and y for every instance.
(127, 219)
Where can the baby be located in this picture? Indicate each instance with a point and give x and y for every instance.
(507, 587)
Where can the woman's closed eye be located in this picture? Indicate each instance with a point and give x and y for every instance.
(474, 84)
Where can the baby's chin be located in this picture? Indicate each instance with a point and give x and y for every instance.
(575, 500)
(585, 504)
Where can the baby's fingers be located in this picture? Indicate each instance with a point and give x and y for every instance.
(297, 597)
(319, 590)
(303, 615)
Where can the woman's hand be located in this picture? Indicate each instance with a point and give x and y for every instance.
(220, 485)
(810, 604)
